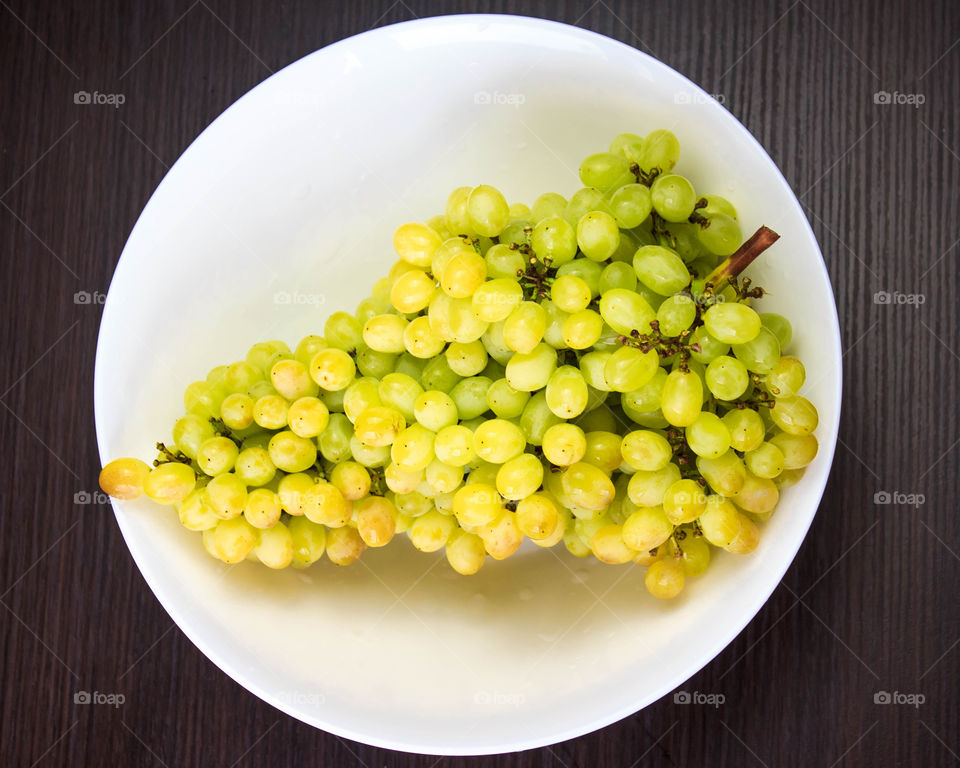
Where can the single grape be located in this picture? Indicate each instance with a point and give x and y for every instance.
(124, 478)
(665, 578)
(169, 482)
(673, 197)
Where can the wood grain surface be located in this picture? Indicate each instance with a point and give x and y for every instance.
(871, 602)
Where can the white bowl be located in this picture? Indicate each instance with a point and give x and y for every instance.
(281, 212)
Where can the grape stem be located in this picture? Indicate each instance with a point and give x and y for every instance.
(742, 258)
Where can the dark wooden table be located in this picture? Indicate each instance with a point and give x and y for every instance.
(871, 603)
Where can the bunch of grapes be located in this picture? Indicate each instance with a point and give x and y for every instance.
(589, 371)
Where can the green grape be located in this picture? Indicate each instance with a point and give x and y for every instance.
(226, 495)
(684, 501)
(785, 379)
(169, 483)
(397, 390)
(746, 539)
(760, 354)
(603, 449)
(647, 488)
(470, 396)
(450, 248)
(665, 578)
(495, 299)
(519, 477)
(498, 440)
(779, 326)
(592, 366)
(564, 444)
(411, 292)
(673, 197)
(661, 150)
(416, 243)
(746, 428)
(505, 401)
(367, 308)
(709, 347)
(628, 369)
(254, 466)
(517, 232)
(465, 552)
(582, 202)
(646, 450)
(587, 486)
(708, 436)
(766, 461)
(608, 546)
(467, 359)
(333, 401)
(625, 311)
(531, 371)
(241, 375)
(617, 275)
(350, 478)
(598, 235)
(476, 504)
(332, 369)
(554, 239)
(537, 515)
(684, 240)
(694, 555)
(547, 205)
(646, 397)
(585, 269)
(566, 392)
(262, 353)
(631, 205)
(504, 262)
(233, 540)
(465, 326)
(292, 380)
(732, 323)
(420, 340)
(605, 171)
(458, 220)
(443, 478)
(717, 204)
(376, 520)
(661, 270)
(487, 211)
(523, 329)
(462, 274)
(263, 508)
(202, 399)
(725, 474)
(369, 455)
(676, 314)
(582, 329)
(720, 234)
(309, 541)
(379, 426)
(556, 319)
(682, 398)
(341, 330)
(758, 496)
(236, 411)
(412, 449)
(438, 375)
(798, 450)
(719, 521)
(334, 441)
(190, 432)
(570, 293)
(123, 478)
(435, 410)
(400, 480)
(493, 342)
(629, 145)
(270, 412)
(384, 333)
(344, 545)
(646, 529)
(291, 491)
(794, 415)
(727, 378)
(537, 418)
(361, 394)
(217, 455)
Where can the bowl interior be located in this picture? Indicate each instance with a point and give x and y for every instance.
(281, 212)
